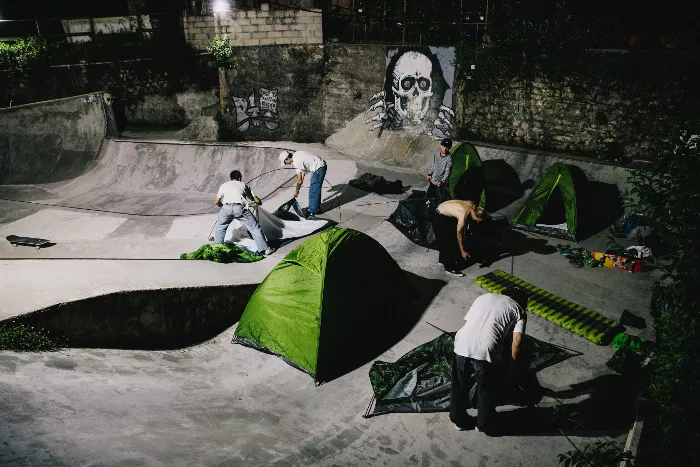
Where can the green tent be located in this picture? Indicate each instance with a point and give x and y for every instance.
(551, 209)
(327, 304)
(467, 181)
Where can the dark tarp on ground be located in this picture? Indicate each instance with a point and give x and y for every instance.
(420, 381)
(376, 184)
(413, 218)
(416, 218)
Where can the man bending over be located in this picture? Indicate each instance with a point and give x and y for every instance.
(453, 218)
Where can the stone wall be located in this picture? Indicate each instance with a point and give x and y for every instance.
(619, 117)
(256, 27)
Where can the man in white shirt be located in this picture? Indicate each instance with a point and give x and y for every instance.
(233, 197)
(479, 347)
(304, 161)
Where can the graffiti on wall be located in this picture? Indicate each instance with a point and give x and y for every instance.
(257, 110)
(417, 94)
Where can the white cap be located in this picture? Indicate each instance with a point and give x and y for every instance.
(283, 156)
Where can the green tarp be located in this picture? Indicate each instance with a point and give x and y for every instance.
(420, 381)
(553, 201)
(321, 307)
(222, 253)
(467, 180)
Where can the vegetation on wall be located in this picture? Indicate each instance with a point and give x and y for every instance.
(667, 194)
(18, 337)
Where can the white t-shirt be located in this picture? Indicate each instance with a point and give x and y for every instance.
(304, 161)
(488, 321)
(235, 192)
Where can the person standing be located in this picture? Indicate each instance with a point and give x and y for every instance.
(440, 170)
(303, 162)
(451, 220)
(478, 348)
(234, 197)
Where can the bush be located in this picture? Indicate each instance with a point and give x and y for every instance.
(668, 195)
(19, 337)
(222, 51)
(24, 53)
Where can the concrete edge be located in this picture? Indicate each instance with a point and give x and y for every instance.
(635, 434)
(24, 106)
(541, 152)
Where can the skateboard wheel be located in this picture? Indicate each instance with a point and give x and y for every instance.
(38, 248)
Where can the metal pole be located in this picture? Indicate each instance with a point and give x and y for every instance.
(403, 21)
(486, 19)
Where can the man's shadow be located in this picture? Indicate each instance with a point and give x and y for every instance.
(608, 410)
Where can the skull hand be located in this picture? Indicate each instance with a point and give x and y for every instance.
(442, 126)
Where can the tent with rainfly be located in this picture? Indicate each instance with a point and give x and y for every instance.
(467, 179)
(326, 304)
(553, 205)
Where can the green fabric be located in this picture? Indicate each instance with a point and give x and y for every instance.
(557, 177)
(576, 318)
(222, 253)
(625, 341)
(464, 157)
(315, 305)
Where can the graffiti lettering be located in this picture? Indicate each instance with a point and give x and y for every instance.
(264, 111)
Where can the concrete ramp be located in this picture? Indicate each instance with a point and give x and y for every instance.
(53, 141)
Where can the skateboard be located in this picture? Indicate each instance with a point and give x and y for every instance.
(29, 241)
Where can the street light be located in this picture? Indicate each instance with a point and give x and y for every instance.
(220, 6)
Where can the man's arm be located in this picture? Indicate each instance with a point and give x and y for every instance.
(431, 169)
(300, 180)
(517, 344)
(218, 201)
(460, 238)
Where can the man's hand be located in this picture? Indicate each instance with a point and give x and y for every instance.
(438, 183)
(218, 202)
(430, 178)
(465, 255)
(257, 200)
(296, 193)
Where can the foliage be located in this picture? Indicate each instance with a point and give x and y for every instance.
(221, 50)
(19, 337)
(24, 53)
(600, 454)
(125, 45)
(667, 194)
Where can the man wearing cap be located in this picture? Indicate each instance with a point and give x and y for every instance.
(304, 161)
(440, 169)
(480, 348)
(234, 197)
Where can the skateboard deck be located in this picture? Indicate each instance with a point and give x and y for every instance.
(29, 241)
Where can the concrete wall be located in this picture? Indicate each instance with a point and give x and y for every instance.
(146, 92)
(256, 27)
(51, 141)
(82, 30)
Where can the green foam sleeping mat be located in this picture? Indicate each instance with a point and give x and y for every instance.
(576, 318)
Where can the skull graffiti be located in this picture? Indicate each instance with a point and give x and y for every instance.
(412, 86)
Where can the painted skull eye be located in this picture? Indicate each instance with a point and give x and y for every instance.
(423, 84)
(407, 83)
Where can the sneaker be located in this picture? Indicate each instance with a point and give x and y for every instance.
(463, 425)
(454, 272)
(269, 251)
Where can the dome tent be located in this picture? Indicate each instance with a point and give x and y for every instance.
(327, 305)
(552, 208)
(467, 179)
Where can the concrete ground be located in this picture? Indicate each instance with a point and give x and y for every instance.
(219, 404)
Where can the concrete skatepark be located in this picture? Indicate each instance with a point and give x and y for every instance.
(120, 214)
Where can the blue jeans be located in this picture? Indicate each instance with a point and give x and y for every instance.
(315, 190)
(228, 213)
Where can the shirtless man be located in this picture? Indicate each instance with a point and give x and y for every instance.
(452, 212)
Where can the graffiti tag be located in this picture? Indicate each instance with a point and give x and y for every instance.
(257, 111)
